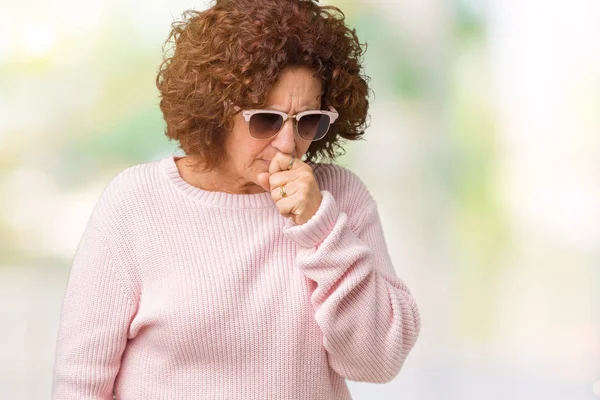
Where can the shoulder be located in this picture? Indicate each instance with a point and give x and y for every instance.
(134, 179)
(126, 192)
(348, 189)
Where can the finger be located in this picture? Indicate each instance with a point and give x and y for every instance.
(290, 190)
(263, 180)
(281, 161)
(281, 178)
(288, 206)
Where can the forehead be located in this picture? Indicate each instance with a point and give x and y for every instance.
(295, 86)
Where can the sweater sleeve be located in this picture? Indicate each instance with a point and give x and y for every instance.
(369, 319)
(96, 311)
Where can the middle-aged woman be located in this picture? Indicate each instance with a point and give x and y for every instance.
(244, 269)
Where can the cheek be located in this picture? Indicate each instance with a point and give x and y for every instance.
(303, 147)
(252, 150)
(242, 147)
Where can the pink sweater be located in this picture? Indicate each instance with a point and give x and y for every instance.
(180, 293)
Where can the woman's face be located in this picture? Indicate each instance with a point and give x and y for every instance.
(296, 90)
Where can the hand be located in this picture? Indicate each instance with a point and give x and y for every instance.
(303, 195)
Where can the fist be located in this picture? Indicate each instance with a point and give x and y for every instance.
(302, 193)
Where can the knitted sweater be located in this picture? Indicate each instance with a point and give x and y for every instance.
(180, 293)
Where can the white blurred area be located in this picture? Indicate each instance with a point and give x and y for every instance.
(508, 283)
(545, 59)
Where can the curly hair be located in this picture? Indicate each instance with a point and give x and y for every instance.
(231, 54)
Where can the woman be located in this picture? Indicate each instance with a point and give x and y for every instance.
(241, 271)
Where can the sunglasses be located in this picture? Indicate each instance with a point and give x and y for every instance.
(309, 125)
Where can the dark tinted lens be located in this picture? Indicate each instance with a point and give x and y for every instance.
(265, 125)
(313, 126)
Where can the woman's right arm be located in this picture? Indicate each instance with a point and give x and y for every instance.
(96, 312)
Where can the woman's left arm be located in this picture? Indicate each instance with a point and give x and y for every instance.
(369, 319)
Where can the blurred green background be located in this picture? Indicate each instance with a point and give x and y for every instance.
(483, 154)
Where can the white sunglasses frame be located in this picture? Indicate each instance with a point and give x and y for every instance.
(333, 115)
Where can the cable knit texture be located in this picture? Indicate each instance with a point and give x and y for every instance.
(180, 293)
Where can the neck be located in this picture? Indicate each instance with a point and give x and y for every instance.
(215, 180)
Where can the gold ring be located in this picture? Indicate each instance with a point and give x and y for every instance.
(282, 191)
(291, 163)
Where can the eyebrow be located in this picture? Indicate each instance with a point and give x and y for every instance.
(305, 108)
(318, 99)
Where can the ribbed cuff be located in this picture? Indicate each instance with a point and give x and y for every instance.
(318, 227)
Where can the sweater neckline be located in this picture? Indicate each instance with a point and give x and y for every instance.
(213, 198)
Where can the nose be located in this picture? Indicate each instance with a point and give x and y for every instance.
(285, 141)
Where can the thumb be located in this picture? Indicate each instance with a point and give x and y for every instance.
(263, 180)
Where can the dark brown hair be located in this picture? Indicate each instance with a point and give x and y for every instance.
(233, 52)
